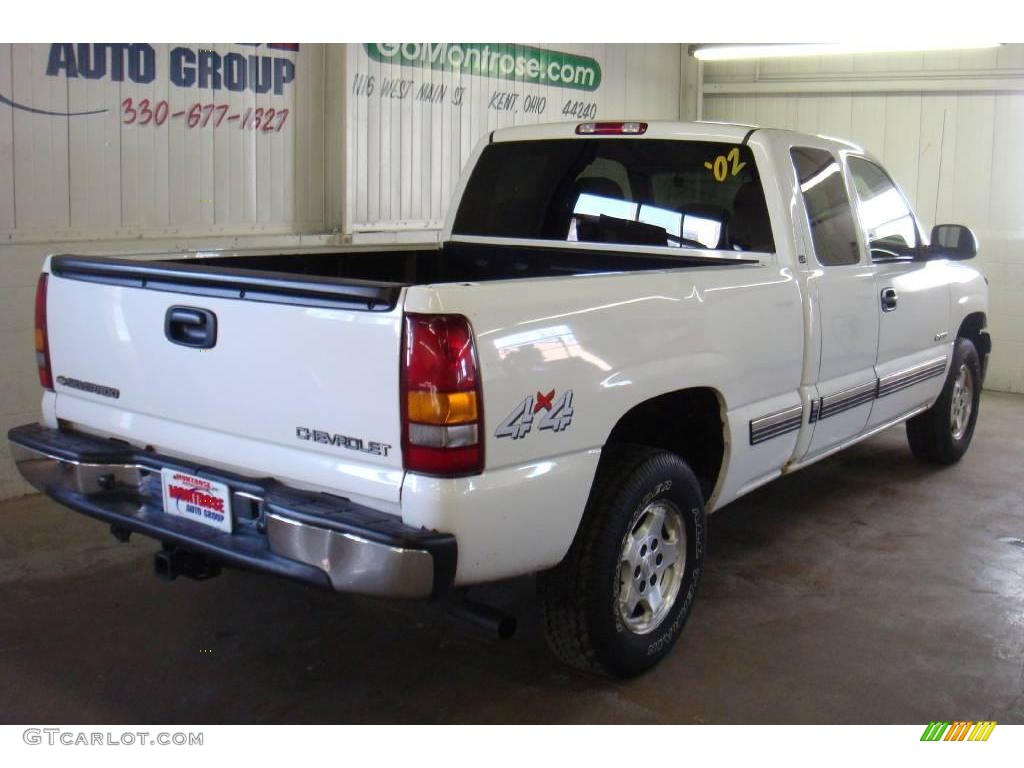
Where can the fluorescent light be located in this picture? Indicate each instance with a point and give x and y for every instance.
(780, 50)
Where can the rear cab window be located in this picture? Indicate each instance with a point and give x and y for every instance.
(649, 192)
(829, 213)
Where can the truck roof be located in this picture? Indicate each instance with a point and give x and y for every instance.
(658, 129)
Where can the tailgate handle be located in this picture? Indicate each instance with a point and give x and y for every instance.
(191, 327)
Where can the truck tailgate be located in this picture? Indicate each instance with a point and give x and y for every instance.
(291, 370)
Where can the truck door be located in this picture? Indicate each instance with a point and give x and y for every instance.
(914, 337)
(844, 305)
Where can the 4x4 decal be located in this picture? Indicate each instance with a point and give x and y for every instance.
(556, 416)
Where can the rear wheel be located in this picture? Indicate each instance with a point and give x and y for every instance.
(942, 434)
(618, 601)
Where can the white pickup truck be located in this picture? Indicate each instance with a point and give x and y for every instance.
(627, 326)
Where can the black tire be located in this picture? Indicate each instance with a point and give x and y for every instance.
(579, 598)
(931, 433)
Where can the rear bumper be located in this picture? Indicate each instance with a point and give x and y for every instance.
(312, 537)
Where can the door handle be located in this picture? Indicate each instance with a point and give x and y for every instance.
(191, 327)
(889, 299)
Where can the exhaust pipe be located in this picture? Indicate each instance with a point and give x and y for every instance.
(486, 618)
(172, 562)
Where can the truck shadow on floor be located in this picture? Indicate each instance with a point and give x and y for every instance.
(115, 645)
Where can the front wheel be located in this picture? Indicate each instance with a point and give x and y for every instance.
(618, 601)
(942, 434)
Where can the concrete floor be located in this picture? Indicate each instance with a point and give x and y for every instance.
(868, 588)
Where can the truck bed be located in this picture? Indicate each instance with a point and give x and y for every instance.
(461, 262)
(366, 279)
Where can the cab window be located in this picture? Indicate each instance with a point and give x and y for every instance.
(653, 192)
(885, 217)
(829, 214)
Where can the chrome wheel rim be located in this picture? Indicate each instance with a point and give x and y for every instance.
(962, 403)
(651, 566)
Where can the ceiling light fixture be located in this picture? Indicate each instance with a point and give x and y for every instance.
(729, 52)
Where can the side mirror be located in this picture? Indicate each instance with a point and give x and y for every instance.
(952, 241)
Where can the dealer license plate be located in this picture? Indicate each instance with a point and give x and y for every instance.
(197, 499)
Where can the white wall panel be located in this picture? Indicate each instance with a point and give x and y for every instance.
(41, 187)
(106, 175)
(6, 141)
(405, 153)
(953, 144)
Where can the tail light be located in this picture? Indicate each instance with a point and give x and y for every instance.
(42, 339)
(442, 417)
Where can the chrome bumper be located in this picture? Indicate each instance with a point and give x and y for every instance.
(317, 538)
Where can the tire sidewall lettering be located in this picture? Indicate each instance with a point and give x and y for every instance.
(665, 635)
(683, 610)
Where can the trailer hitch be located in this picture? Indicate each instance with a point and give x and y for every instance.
(172, 562)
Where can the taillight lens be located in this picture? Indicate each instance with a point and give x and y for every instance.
(42, 339)
(442, 418)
